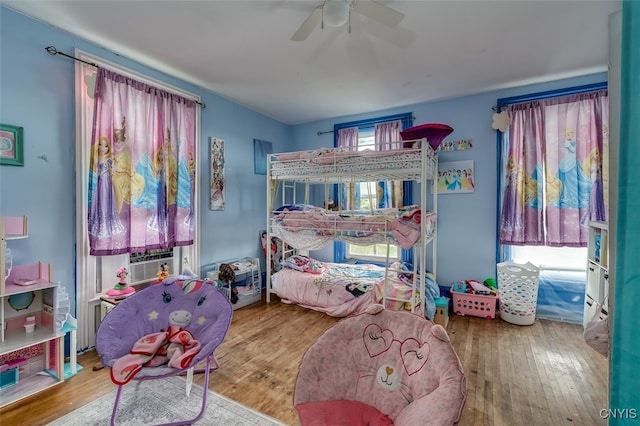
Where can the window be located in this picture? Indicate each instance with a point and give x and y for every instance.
(551, 258)
(554, 174)
(95, 273)
(368, 198)
(367, 194)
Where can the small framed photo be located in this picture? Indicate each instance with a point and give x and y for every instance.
(11, 152)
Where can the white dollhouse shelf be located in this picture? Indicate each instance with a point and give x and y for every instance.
(19, 302)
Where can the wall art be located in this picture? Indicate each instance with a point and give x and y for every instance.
(260, 151)
(456, 177)
(11, 149)
(216, 195)
(459, 145)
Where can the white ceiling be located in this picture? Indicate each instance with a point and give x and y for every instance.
(242, 51)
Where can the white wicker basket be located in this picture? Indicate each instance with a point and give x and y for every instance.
(518, 285)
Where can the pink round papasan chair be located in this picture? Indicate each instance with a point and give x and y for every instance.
(381, 368)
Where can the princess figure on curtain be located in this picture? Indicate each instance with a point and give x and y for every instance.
(186, 187)
(191, 167)
(128, 184)
(103, 215)
(157, 219)
(576, 184)
(515, 186)
(595, 167)
(597, 210)
(153, 197)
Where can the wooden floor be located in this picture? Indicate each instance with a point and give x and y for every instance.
(542, 374)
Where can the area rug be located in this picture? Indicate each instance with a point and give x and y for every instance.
(163, 401)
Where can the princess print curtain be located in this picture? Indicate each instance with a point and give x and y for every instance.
(554, 180)
(141, 177)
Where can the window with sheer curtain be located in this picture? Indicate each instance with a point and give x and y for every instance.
(375, 134)
(367, 195)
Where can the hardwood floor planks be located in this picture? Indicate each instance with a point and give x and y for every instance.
(543, 374)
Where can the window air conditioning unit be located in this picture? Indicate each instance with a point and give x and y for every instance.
(144, 267)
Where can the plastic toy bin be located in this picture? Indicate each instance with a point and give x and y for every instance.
(475, 305)
(518, 285)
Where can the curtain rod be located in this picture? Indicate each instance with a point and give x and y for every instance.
(53, 51)
(322, 132)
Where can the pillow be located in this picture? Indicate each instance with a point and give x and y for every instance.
(340, 413)
(303, 264)
(434, 132)
(296, 207)
(289, 156)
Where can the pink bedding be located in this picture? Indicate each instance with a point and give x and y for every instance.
(401, 226)
(341, 290)
(329, 155)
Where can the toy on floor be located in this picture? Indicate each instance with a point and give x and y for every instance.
(474, 287)
(442, 312)
(122, 289)
(227, 277)
(479, 288)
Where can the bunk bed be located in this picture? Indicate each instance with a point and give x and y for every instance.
(344, 289)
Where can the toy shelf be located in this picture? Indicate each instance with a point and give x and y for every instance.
(30, 361)
(247, 283)
(597, 286)
(26, 387)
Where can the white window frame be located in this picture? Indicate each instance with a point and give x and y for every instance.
(366, 140)
(91, 274)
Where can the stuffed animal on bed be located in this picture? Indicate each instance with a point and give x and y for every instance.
(171, 325)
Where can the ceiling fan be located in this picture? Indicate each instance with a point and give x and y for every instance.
(336, 13)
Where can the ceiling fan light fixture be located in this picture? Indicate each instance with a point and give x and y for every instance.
(335, 13)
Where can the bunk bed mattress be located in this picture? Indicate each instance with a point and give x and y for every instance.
(312, 229)
(340, 290)
(338, 161)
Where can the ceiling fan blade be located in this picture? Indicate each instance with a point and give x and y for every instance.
(308, 25)
(378, 12)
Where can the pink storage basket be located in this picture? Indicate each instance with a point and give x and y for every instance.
(474, 304)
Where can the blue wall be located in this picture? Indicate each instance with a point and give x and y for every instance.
(466, 222)
(37, 93)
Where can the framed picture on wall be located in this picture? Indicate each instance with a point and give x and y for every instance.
(216, 193)
(260, 151)
(11, 150)
(456, 177)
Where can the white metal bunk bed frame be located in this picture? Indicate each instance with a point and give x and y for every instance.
(424, 170)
